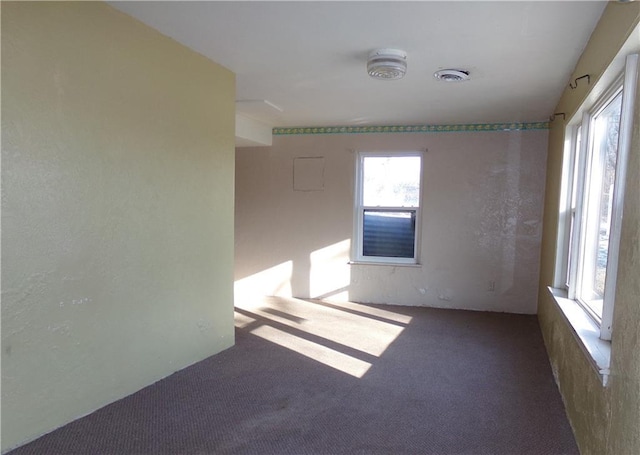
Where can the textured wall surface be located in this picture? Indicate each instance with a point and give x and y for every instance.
(625, 392)
(117, 211)
(481, 221)
(606, 420)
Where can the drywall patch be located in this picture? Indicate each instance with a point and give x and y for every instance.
(446, 295)
(308, 174)
(204, 325)
(81, 301)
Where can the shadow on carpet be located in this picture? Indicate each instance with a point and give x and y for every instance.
(312, 377)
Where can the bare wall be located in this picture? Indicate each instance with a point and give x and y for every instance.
(117, 211)
(606, 420)
(481, 221)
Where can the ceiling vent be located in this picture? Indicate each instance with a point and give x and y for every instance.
(387, 64)
(452, 75)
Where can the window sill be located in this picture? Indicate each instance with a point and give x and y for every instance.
(392, 264)
(586, 332)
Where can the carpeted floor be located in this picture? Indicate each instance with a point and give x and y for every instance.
(309, 377)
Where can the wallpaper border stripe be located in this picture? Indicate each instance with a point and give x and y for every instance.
(474, 127)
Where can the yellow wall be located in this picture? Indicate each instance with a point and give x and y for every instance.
(117, 211)
(605, 419)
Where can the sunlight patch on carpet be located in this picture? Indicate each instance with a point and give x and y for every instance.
(327, 356)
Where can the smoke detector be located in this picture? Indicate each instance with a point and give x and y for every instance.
(452, 75)
(387, 64)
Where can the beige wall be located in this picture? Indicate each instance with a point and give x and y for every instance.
(117, 211)
(605, 420)
(482, 207)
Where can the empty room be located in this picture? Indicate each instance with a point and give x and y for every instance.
(368, 227)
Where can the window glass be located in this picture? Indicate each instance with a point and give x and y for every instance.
(391, 181)
(389, 234)
(601, 180)
(597, 148)
(388, 205)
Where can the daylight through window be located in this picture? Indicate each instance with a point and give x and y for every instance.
(594, 175)
(388, 204)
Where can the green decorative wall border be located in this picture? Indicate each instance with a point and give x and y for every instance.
(411, 128)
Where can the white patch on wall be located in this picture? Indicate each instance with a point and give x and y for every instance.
(330, 274)
(204, 324)
(308, 174)
(60, 329)
(81, 301)
(275, 280)
(445, 295)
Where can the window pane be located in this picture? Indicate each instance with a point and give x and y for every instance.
(574, 196)
(602, 169)
(391, 181)
(389, 234)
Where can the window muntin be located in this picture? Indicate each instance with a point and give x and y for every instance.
(388, 205)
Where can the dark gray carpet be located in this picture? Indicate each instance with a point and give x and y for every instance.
(436, 382)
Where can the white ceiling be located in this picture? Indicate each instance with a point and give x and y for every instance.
(309, 58)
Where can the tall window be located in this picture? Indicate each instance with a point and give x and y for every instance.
(388, 207)
(597, 193)
(595, 170)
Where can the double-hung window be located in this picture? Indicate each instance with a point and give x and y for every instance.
(387, 193)
(597, 149)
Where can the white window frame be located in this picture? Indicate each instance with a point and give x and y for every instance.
(360, 208)
(570, 245)
(579, 258)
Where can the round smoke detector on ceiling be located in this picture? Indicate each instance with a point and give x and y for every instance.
(387, 64)
(452, 75)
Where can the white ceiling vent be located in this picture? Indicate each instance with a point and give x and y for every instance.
(452, 75)
(387, 64)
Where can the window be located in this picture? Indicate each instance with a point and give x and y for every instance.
(388, 207)
(597, 149)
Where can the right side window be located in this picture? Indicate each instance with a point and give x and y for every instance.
(595, 175)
